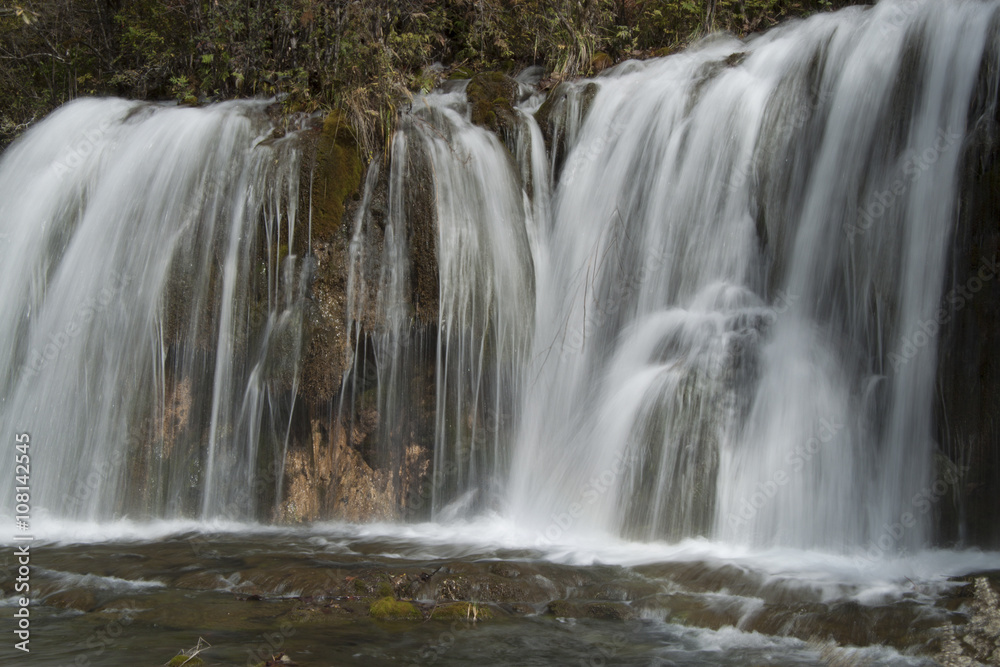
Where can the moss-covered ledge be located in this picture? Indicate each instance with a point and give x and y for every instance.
(337, 174)
(492, 96)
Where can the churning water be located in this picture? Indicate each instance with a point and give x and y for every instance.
(743, 237)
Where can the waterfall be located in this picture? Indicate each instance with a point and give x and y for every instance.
(746, 237)
(484, 293)
(134, 239)
(695, 296)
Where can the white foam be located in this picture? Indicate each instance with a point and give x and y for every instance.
(98, 582)
(922, 575)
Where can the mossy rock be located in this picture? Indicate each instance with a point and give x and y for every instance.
(421, 215)
(389, 608)
(460, 611)
(557, 97)
(461, 73)
(544, 113)
(491, 98)
(377, 584)
(555, 107)
(425, 81)
(610, 611)
(601, 61)
(735, 59)
(565, 609)
(187, 661)
(338, 174)
(503, 569)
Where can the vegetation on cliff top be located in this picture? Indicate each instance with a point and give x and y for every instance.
(362, 57)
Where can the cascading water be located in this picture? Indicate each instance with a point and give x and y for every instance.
(485, 297)
(687, 315)
(133, 238)
(745, 237)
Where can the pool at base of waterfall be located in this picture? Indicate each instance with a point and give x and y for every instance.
(340, 594)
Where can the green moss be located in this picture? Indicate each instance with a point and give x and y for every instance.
(337, 175)
(389, 608)
(182, 659)
(460, 611)
(385, 590)
(601, 61)
(230, 53)
(491, 98)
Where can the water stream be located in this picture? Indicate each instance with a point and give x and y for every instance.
(694, 302)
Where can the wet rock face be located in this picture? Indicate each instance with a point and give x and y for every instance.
(333, 468)
(567, 104)
(491, 100)
(422, 233)
(330, 183)
(337, 175)
(328, 479)
(326, 350)
(968, 363)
